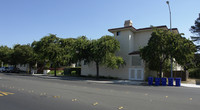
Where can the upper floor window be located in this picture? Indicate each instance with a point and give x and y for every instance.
(85, 62)
(118, 33)
(136, 61)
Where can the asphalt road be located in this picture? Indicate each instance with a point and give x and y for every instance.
(19, 92)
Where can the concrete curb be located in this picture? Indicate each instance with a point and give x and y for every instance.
(190, 85)
(123, 82)
(127, 82)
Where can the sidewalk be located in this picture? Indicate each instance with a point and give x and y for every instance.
(190, 85)
(92, 80)
(125, 82)
(107, 81)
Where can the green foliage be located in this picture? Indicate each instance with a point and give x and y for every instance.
(102, 52)
(114, 62)
(49, 49)
(73, 73)
(60, 72)
(183, 50)
(68, 71)
(194, 73)
(82, 49)
(197, 60)
(162, 45)
(23, 54)
(156, 52)
(196, 31)
(68, 45)
(5, 54)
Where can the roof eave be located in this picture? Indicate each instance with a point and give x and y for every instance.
(122, 28)
(175, 29)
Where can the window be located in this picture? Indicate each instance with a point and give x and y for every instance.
(85, 62)
(136, 61)
(118, 33)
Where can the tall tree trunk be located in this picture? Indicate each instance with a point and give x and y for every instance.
(29, 68)
(97, 68)
(161, 64)
(55, 70)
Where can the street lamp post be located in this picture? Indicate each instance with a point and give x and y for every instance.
(170, 31)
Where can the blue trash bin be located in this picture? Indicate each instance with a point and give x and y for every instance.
(170, 81)
(150, 80)
(157, 81)
(164, 81)
(178, 82)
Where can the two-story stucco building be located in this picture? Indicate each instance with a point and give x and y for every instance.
(131, 40)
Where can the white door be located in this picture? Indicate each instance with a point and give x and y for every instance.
(136, 74)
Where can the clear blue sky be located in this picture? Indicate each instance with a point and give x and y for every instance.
(23, 21)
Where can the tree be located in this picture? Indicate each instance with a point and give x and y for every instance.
(183, 51)
(196, 31)
(49, 49)
(102, 52)
(156, 53)
(68, 46)
(5, 54)
(82, 49)
(164, 44)
(23, 54)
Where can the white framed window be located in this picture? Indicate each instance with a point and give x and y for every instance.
(136, 60)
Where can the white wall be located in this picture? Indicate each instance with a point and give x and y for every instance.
(23, 67)
(123, 38)
(141, 39)
(103, 71)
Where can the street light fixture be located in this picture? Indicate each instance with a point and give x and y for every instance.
(169, 16)
(170, 31)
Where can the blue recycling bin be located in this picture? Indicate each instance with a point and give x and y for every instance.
(178, 82)
(164, 81)
(150, 80)
(157, 81)
(170, 81)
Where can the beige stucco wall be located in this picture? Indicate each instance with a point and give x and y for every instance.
(90, 69)
(123, 38)
(141, 39)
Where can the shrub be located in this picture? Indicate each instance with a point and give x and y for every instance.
(59, 72)
(73, 73)
(194, 73)
(68, 71)
(89, 75)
